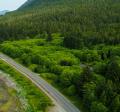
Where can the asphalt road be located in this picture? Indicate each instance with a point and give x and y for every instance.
(62, 101)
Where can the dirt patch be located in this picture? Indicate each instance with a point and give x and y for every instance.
(9, 101)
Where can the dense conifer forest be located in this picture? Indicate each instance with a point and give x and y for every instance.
(89, 22)
(73, 44)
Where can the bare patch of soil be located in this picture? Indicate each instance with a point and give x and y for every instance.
(9, 101)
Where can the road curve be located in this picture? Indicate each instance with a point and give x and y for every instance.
(54, 94)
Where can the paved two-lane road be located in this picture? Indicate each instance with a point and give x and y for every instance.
(55, 95)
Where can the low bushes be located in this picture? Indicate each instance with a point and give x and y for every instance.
(90, 75)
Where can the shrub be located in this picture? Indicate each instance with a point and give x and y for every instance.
(67, 77)
(71, 91)
(87, 55)
(40, 69)
(56, 69)
(33, 67)
(89, 93)
(26, 59)
(50, 76)
(98, 107)
(40, 42)
(66, 62)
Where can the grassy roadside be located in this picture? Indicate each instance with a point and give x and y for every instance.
(37, 100)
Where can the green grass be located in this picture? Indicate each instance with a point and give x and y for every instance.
(37, 100)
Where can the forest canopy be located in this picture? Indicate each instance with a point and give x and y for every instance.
(85, 22)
